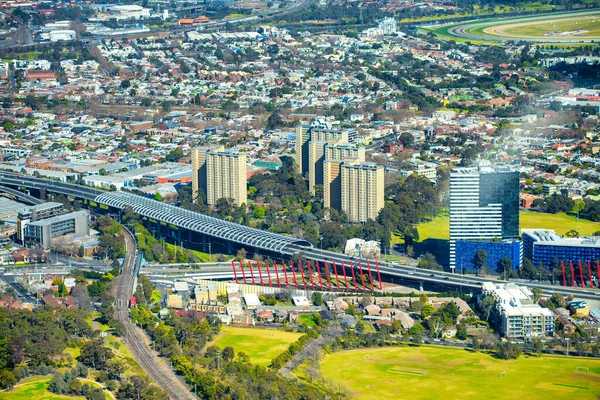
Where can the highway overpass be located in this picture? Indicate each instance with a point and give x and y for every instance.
(275, 244)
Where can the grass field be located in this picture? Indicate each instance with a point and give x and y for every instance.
(436, 373)
(260, 345)
(439, 228)
(567, 27)
(34, 389)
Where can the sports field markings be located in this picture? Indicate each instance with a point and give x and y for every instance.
(571, 386)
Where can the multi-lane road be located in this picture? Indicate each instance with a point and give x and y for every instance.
(285, 247)
(135, 340)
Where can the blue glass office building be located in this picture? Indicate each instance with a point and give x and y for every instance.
(466, 251)
(544, 246)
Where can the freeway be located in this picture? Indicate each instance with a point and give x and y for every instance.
(155, 367)
(439, 277)
(257, 239)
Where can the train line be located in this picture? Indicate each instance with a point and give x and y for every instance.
(134, 338)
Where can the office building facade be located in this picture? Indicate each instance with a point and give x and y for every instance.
(41, 233)
(543, 247)
(219, 173)
(484, 206)
(362, 191)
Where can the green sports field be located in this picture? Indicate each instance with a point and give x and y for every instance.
(439, 228)
(574, 27)
(34, 388)
(261, 345)
(436, 373)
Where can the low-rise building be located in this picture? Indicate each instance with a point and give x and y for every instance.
(517, 313)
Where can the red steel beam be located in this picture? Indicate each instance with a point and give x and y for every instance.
(310, 275)
(581, 274)
(562, 264)
(370, 276)
(344, 272)
(260, 273)
(234, 272)
(301, 273)
(251, 272)
(337, 280)
(378, 275)
(319, 274)
(362, 277)
(242, 268)
(276, 273)
(268, 273)
(353, 277)
(327, 274)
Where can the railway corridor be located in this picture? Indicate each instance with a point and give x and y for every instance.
(134, 337)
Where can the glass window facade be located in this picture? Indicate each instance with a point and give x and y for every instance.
(466, 251)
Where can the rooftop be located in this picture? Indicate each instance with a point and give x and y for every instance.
(551, 238)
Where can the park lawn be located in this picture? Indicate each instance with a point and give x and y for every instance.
(429, 372)
(123, 354)
(261, 345)
(74, 352)
(202, 257)
(156, 296)
(34, 388)
(308, 320)
(439, 228)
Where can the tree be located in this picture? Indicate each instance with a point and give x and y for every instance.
(486, 305)
(428, 261)
(317, 298)
(274, 121)
(94, 354)
(508, 351)
(436, 326)
(228, 353)
(572, 234)
(504, 265)
(461, 332)
(242, 254)
(537, 294)
(7, 379)
(480, 259)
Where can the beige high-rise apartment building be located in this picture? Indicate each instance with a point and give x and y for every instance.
(306, 133)
(332, 184)
(337, 155)
(219, 174)
(362, 191)
(337, 151)
(302, 139)
(316, 156)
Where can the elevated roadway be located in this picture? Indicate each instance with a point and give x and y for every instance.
(257, 239)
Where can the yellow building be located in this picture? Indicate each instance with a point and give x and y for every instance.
(362, 191)
(219, 174)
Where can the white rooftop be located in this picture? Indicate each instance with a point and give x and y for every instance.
(300, 301)
(251, 299)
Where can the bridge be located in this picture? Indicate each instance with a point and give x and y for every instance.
(279, 245)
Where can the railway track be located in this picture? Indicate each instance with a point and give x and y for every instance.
(134, 338)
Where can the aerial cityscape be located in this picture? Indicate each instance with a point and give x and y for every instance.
(299, 199)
